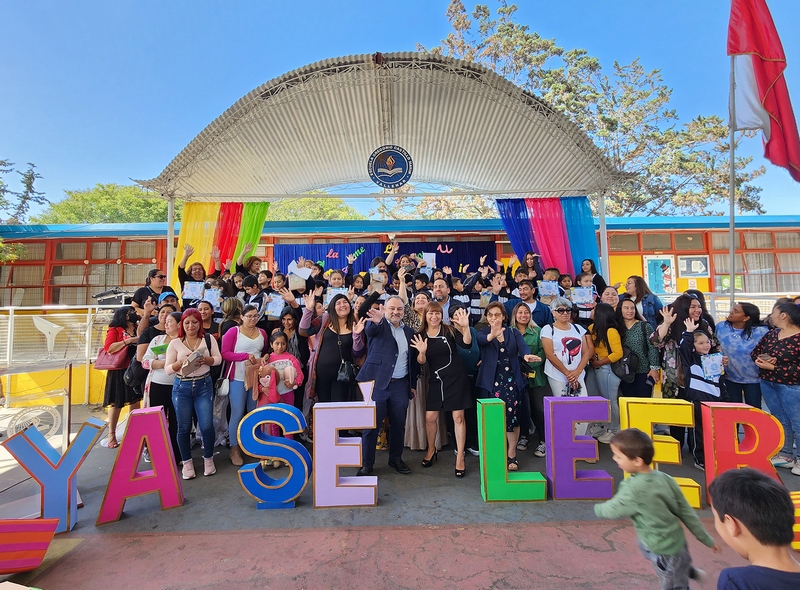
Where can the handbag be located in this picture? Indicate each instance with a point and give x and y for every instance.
(347, 370)
(135, 374)
(625, 368)
(223, 384)
(107, 361)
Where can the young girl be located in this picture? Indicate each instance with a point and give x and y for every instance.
(583, 311)
(700, 387)
(279, 375)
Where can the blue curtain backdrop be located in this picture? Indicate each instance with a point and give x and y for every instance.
(514, 215)
(580, 229)
(452, 254)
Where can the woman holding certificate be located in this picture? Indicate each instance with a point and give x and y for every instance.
(241, 346)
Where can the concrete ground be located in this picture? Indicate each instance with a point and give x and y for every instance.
(429, 530)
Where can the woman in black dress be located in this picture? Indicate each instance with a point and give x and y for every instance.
(121, 334)
(339, 340)
(448, 385)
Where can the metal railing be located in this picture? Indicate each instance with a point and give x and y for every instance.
(34, 339)
(77, 332)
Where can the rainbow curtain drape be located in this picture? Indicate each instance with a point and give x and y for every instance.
(560, 230)
(229, 226)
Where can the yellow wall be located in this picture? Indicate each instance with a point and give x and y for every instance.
(28, 384)
(623, 266)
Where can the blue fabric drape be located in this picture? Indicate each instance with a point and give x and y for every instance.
(580, 229)
(514, 215)
(452, 254)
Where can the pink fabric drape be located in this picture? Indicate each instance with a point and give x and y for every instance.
(550, 231)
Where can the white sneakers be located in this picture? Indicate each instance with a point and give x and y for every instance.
(188, 470)
(781, 460)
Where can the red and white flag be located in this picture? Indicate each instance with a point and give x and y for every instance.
(761, 97)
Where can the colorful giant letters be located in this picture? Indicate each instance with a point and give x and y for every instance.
(497, 482)
(332, 451)
(564, 448)
(273, 493)
(644, 414)
(56, 474)
(146, 426)
(763, 438)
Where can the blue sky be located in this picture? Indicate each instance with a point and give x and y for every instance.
(98, 92)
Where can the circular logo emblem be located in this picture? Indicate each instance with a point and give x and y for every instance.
(390, 166)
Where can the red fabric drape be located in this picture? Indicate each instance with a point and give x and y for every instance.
(230, 219)
(550, 231)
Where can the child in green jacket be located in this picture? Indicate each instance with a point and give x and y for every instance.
(657, 506)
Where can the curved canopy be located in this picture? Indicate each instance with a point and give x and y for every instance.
(315, 127)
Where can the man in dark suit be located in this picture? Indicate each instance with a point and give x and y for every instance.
(394, 371)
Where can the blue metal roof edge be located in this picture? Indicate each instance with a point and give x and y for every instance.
(127, 230)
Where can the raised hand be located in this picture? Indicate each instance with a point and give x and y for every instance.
(498, 263)
(351, 293)
(464, 268)
(188, 249)
(690, 325)
(483, 260)
(300, 261)
(461, 319)
(350, 259)
(248, 247)
(215, 252)
(419, 343)
(497, 282)
(149, 306)
(359, 326)
(308, 299)
(287, 295)
(395, 246)
(401, 272)
(512, 260)
(447, 270)
(318, 291)
(669, 315)
(375, 315)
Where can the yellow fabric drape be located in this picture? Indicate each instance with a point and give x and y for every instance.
(198, 226)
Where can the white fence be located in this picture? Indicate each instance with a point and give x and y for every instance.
(40, 338)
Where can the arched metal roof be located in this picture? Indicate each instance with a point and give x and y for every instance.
(315, 127)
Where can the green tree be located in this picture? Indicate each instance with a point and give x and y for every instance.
(17, 203)
(673, 167)
(309, 208)
(108, 203)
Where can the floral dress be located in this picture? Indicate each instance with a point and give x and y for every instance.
(505, 388)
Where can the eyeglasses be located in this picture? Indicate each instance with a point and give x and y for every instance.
(251, 316)
(562, 310)
(494, 315)
(159, 276)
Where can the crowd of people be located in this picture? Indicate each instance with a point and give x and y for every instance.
(434, 341)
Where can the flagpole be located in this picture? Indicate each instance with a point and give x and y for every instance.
(732, 181)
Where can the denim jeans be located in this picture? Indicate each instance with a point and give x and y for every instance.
(242, 403)
(198, 396)
(748, 393)
(608, 385)
(784, 403)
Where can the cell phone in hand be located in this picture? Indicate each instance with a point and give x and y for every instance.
(651, 382)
